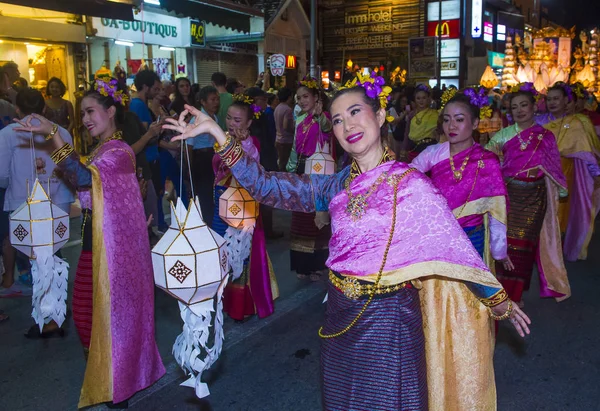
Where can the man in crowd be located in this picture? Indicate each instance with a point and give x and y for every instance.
(201, 152)
(12, 71)
(219, 81)
(284, 122)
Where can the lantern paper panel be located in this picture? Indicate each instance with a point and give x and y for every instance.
(190, 260)
(38, 223)
(320, 163)
(237, 207)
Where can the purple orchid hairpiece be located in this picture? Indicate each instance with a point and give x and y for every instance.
(374, 86)
(478, 98)
(566, 89)
(110, 88)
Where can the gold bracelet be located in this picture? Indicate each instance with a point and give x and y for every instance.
(53, 132)
(219, 149)
(494, 300)
(504, 316)
(61, 153)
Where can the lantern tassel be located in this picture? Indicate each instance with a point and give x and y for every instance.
(50, 276)
(191, 349)
(239, 244)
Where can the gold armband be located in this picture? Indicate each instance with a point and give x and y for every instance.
(495, 299)
(60, 154)
(53, 132)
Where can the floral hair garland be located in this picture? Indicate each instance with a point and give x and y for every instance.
(479, 99)
(110, 88)
(375, 88)
(309, 82)
(566, 89)
(527, 88)
(423, 87)
(580, 91)
(446, 96)
(242, 98)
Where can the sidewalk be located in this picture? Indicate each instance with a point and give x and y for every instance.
(47, 374)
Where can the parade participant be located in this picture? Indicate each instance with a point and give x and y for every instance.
(469, 177)
(116, 284)
(393, 235)
(534, 179)
(254, 291)
(422, 125)
(579, 149)
(58, 109)
(308, 243)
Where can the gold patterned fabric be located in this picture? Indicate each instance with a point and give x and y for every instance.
(459, 347)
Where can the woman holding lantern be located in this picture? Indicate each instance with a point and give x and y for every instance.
(122, 356)
(534, 179)
(579, 150)
(308, 242)
(405, 282)
(256, 288)
(469, 177)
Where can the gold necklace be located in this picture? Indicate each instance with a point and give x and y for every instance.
(420, 120)
(357, 204)
(118, 135)
(458, 174)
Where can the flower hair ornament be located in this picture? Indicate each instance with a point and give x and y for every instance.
(375, 88)
(526, 87)
(242, 98)
(309, 82)
(580, 91)
(479, 98)
(110, 88)
(423, 87)
(446, 96)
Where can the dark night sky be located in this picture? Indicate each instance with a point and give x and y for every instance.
(582, 13)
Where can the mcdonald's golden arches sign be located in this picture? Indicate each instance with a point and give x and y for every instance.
(448, 29)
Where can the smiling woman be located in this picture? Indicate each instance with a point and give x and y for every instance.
(403, 276)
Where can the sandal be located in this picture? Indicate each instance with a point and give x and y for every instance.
(34, 333)
(302, 276)
(316, 276)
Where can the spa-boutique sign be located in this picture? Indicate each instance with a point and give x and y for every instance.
(150, 28)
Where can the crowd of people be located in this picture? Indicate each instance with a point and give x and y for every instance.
(427, 227)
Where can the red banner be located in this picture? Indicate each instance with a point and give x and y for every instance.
(448, 29)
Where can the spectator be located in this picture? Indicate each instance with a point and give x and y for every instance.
(12, 70)
(284, 123)
(183, 95)
(201, 153)
(219, 81)
(59, 110)
(16, 170)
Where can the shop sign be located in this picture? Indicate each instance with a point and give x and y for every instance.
(450, 48)
(495, 60)
(422, 61)
(448, 29)
(476, 18)
(150, 28)
(241, 48)
(450, 67)
(290, 62)
(277, 64)
(488, 32)
(197, 33)
(450, 10)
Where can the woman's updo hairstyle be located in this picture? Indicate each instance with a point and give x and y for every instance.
(109, 93)
(461, 98)
(563, 88)
(371, 102)
(524, 89)
(243, 102)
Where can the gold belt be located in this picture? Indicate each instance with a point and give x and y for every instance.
(354, 289)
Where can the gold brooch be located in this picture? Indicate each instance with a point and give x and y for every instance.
(351, 288)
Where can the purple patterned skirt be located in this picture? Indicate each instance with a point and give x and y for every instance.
(379, 364)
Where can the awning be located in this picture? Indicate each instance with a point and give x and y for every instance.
(219, 12)
(114, 9)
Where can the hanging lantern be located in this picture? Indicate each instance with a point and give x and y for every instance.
(321, 162)
(38, 223)
(190, 261)
(489, 79)
(39, 228)
(586, 76)
(237, 207)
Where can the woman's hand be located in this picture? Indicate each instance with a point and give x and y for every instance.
(318, 108)
(202, 124)
(508, 264)
(241, 134)
(44, 128)
(518, 318)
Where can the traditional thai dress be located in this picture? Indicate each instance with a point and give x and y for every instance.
(118, 291)
(424, 341)
(308, 243)
(254, 291)
(422, 131)
(579, 150)
(477, 198)
(534, 179)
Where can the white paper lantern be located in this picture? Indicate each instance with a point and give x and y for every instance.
(237, 207)
(38, 223)
(321, 162)
(190, 260)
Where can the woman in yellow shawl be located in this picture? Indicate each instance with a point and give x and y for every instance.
(422, 125)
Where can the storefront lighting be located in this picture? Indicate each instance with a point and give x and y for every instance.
(349, 64)
(1, 41)
(124, 43)
(167, 48)
(154, 2)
